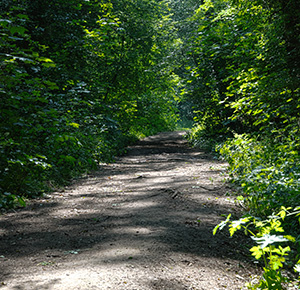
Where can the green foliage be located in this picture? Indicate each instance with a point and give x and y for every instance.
(271, 238)
(198, 138)
(80, 80)
(240, 70)
(267, 172)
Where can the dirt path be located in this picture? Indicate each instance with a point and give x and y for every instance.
(144, 222)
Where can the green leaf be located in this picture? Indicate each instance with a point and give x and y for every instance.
(221, 225)
(236, 225)
(21, 201)
(17, 29)
(267, 239)
(257, 252)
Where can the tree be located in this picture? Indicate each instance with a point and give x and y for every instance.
(80, 80)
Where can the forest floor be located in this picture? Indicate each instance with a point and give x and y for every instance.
(143, 222)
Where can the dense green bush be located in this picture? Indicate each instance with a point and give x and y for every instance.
(268, 173)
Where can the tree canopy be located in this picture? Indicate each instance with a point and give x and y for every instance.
(80, 79)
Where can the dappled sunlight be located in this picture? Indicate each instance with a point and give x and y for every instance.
(126, 221)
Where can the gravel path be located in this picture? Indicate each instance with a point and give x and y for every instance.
(144, 222)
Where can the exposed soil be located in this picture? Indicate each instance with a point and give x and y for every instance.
(144, 222)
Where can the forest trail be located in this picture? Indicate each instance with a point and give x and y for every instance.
(144, 222)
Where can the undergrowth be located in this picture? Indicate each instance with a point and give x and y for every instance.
(267, 172)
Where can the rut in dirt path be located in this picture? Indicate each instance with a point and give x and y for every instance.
(144, 222)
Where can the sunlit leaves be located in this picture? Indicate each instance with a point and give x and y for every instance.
(221, 225)
(267, 239)
(269, 245)
(237, 225)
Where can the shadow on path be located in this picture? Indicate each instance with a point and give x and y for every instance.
(146, 215)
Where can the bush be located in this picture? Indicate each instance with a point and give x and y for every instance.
(268, 173)
(274, 245)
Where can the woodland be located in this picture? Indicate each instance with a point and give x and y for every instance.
(82, 79)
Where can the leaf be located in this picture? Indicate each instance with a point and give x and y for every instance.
(75, 125)
(44, 59)
(257, 252)
(5, 21)
(297, 268)
(221, 225)
(17, 29)
(236, 225)
(47, 65)
(267, 239)
(70, 159)
(21, 201)
(290, 238)
(276, 262)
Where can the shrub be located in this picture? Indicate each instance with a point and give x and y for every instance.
(272, 239)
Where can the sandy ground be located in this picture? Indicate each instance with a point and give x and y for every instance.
(144, 222)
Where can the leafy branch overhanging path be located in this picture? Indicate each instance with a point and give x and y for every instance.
(144, 222)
